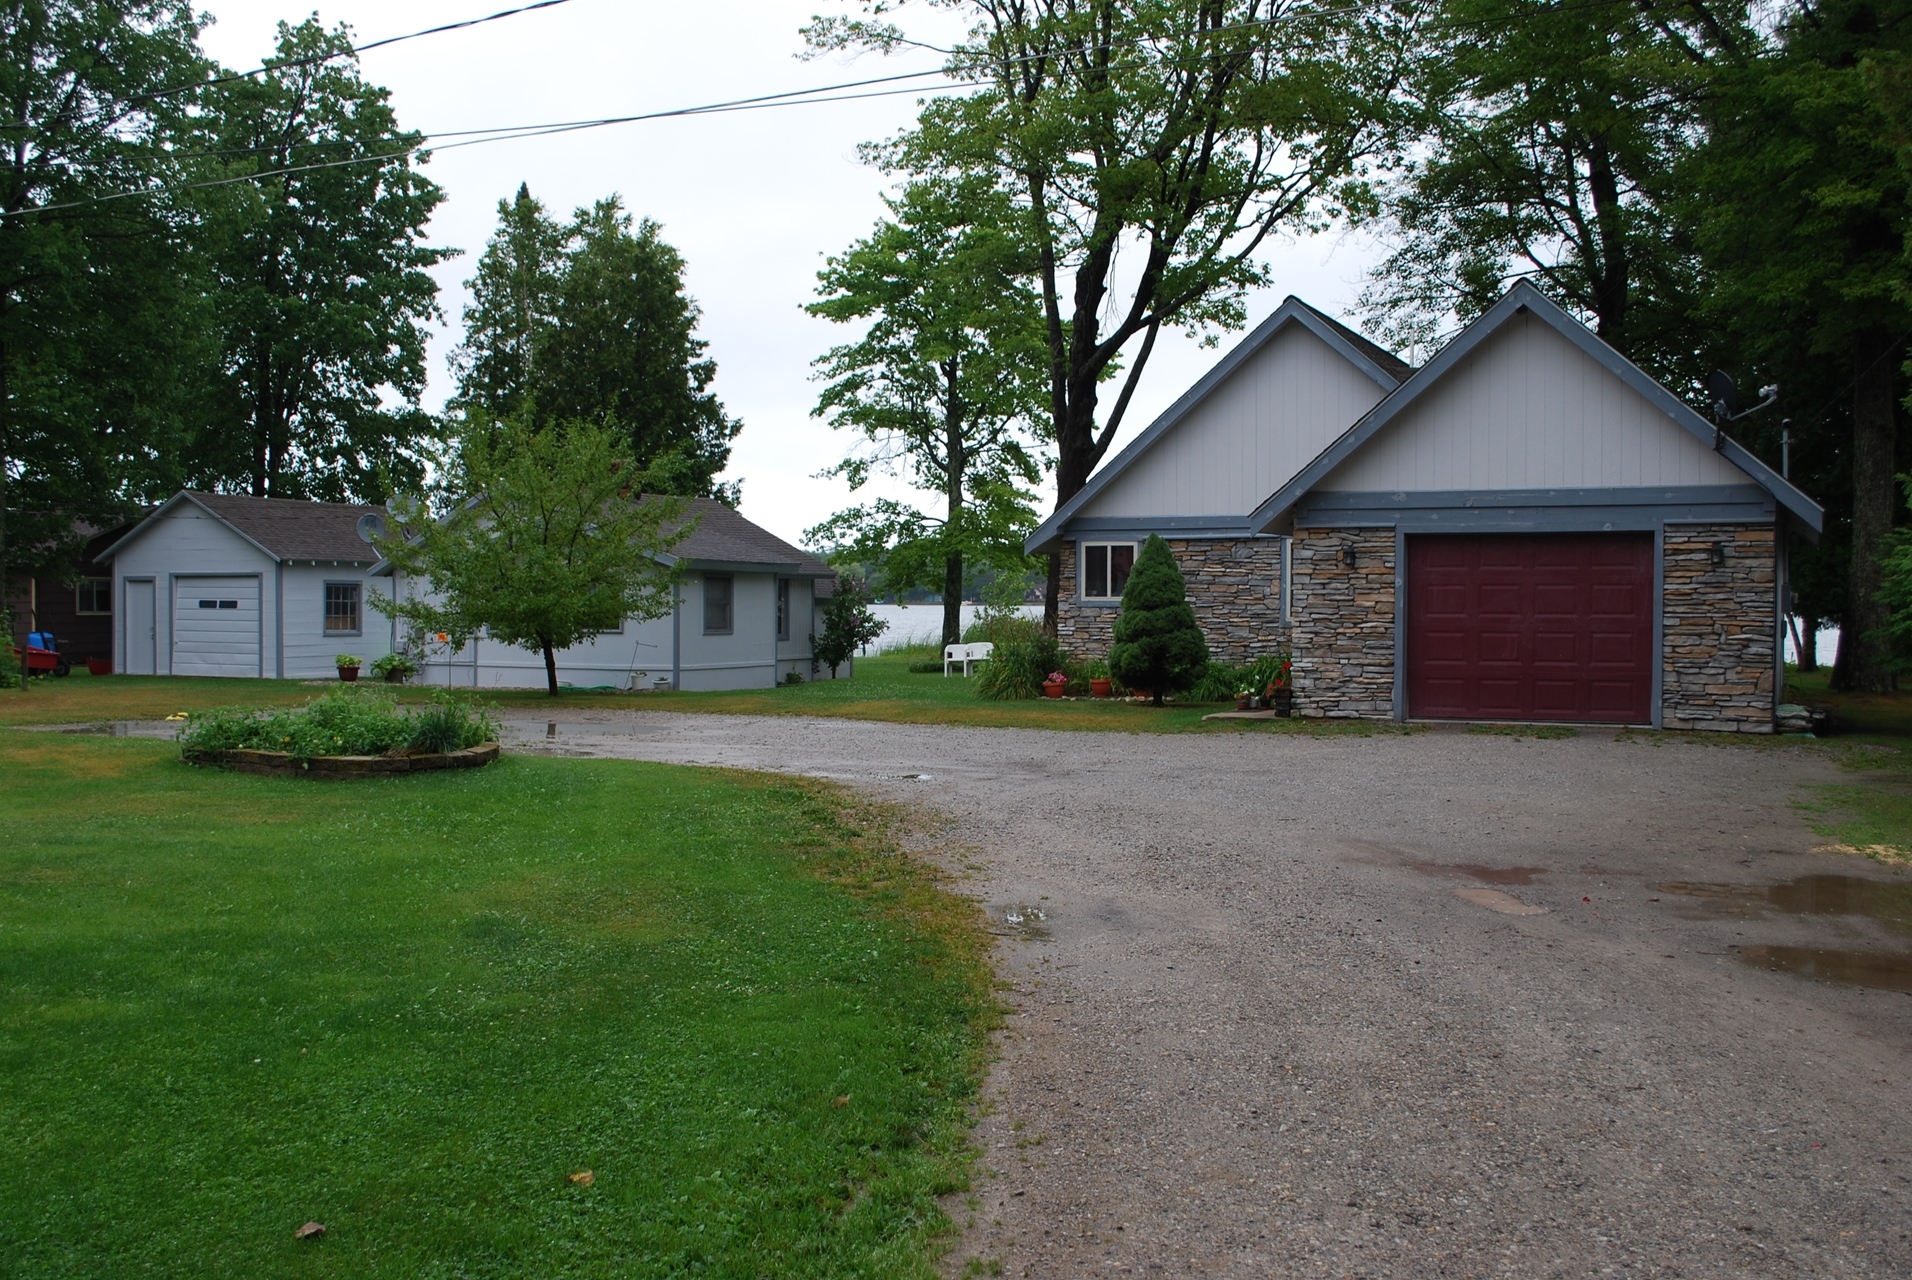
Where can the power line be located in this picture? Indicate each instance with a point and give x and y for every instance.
(234, 76)
(795, 97)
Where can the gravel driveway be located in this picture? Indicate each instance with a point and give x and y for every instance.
(1396, 1005)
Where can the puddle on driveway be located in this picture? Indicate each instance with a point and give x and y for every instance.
(1886, 970)
(1476, 871)
(1815, 895)
(1020, 921)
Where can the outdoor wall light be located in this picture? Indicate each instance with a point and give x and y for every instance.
(1718, 555)
(1347, 554)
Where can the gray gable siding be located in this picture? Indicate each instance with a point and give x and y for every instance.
(1264, 423)
(1215, 463)
(1529, 410)
(1521, 304)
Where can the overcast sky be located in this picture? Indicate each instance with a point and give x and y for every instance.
(753, 200)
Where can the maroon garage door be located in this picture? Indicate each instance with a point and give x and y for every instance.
(1530, 627)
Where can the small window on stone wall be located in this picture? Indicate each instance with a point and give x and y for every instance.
(1105, 569)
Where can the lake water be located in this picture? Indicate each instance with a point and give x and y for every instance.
(923, 623)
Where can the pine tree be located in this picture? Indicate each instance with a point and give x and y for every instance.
(1158, 645)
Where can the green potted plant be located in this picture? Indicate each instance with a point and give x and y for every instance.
(395, 668)
(1279, 691)
(348, 665)
(1097, 674)
(1055, 684)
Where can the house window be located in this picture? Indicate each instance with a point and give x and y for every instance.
(1105, 569)
(783, 608)
(717, 597)
(341, 608)
(93, 596)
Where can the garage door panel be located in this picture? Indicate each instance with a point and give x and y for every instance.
(216, 627)
(1550, 627)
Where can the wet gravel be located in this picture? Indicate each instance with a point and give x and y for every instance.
(1394, 1006)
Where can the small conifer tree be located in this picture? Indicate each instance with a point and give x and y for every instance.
(1158, 645)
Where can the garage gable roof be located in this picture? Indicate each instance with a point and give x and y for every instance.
(285, 529)
(1524, 297)
(719, 537)
(1383, 366)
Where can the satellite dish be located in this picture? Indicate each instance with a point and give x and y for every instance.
(371, 525)
(1722, 392)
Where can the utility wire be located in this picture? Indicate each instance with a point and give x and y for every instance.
(795, 97)
(234, 76)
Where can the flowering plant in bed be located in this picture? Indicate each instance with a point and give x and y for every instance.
(343, 722)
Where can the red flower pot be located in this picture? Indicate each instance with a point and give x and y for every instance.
(348, 674)
(1053, 690)
(1100, 688)
(99, 666)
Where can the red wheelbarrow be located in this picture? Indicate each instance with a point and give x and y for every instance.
(42, 655)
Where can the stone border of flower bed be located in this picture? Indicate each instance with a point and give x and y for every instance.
(277, 764)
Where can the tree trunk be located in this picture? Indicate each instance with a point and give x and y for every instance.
(1808, 645)
(550, 666)
(956, 475)
(1862, 652)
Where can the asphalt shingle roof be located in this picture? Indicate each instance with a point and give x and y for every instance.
(294, 529)
(1399, 368)
(724, 537)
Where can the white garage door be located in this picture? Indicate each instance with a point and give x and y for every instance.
(216, 627)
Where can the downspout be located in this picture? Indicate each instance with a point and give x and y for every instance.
(278, 614)
(677, 630)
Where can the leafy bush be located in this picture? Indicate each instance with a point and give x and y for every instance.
(1222, 682)
(848, 625)
(9, 669)
(347, 721)
(1025, 654)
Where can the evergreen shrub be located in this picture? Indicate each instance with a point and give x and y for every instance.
(1158, 644)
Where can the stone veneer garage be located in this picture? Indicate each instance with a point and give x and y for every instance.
(1528, 528)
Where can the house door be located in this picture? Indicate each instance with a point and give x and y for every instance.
(216, 627)
(1531, 627)
(139, 628)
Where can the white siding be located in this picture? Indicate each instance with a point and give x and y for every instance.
(1270, 418)
(747, 657)
(309, 651)
(188, 541)
(1529, 410)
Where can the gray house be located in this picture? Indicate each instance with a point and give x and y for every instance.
(223, 585)
(1526, 528)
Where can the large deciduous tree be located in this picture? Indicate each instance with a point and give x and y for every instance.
(319, 276)
(1548, 141)
(96, 343)
(543, 542)
(589, 321)
(946, 386)
(1151, 147)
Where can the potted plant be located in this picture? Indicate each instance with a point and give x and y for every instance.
(1097, 674)
(396, 668)
(1054, 684)
(348, 665)
(1245, 700)
(1280, 690)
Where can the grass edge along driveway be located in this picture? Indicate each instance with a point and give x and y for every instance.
(412, 1009)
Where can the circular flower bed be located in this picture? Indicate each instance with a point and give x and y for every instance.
(348, 733)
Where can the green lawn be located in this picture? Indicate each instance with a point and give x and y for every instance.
(411, 1009)
(883, 688)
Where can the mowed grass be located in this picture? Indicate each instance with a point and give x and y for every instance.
(411, 1009)
(882, 688)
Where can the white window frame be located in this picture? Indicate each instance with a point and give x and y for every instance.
(325, 607)
(1082, 569)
